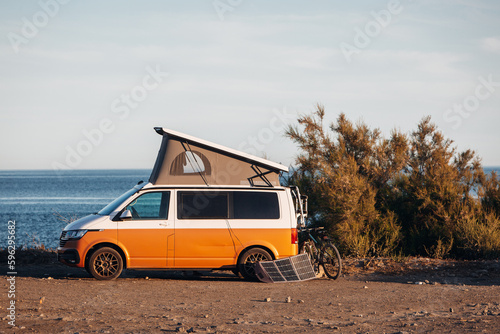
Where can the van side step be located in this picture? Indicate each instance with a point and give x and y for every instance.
(291, 269)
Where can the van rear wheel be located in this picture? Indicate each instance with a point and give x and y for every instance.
(247, 261)
(105, 264)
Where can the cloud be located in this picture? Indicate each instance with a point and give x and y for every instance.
(491, 44)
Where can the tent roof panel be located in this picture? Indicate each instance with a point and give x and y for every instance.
(223, 149)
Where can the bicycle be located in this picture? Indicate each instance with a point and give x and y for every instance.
(322, 252)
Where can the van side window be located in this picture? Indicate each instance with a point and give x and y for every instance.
(228, 205)
(202, 205)
(255, 205)
(152, 205)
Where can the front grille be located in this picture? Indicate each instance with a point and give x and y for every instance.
(62, 243)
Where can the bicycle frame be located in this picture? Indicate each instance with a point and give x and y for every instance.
(322, 253)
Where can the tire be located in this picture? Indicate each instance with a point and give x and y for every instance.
(311, 250)
(105, 264)
(331, 261)
(247, 261)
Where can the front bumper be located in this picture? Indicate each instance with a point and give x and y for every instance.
(70, 257)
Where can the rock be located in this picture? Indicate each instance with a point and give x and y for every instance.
(300, 301)
(267, 300)
(288, 299)
(42, 300)
(365, 287)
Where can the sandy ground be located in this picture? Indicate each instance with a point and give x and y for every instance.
(373, 296)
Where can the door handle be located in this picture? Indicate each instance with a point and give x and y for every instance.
(164, 224)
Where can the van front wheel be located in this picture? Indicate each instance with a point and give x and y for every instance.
(247, 261)
(105, 264)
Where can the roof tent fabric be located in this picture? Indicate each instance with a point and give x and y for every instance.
(186, 160)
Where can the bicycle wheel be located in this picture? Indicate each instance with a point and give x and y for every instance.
(310, 249)
(331, 261)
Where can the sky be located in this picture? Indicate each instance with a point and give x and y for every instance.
(83, 83)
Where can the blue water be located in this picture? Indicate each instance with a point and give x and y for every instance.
(495, 169)
(35, 199)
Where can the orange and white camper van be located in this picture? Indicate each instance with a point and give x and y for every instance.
(205, 206)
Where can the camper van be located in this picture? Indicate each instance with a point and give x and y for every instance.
(205, 207)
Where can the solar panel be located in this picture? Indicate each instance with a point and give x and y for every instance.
(291, 269)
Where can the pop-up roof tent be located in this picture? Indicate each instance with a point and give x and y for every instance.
(186, 160)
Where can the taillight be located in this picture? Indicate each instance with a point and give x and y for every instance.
(295, 236)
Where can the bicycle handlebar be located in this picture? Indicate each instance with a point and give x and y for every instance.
(311, 229)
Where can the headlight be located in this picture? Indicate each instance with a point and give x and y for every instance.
(75, 234)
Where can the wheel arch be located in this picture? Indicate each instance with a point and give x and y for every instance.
(267, 249)
(106, 244)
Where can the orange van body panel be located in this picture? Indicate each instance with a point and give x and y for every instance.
(195, 248)
(217, 248)
(90, 239)
(147, 248)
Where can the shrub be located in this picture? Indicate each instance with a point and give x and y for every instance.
(478, 237)
(409, 194)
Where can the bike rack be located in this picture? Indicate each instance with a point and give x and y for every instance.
(291, 269)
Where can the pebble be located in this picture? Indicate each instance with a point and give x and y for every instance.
(300, 301)
(288, 299)
(267, 300)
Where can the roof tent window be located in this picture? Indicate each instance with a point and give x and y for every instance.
(190, 162)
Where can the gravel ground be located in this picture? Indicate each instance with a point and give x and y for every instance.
(418, 295)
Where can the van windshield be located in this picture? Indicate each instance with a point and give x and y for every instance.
(108, 209)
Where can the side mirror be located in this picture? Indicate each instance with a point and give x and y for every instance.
(126, 215)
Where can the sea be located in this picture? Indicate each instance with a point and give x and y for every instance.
(42, 202)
